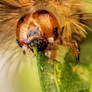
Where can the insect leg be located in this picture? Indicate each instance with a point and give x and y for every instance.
(74, 44)
(76, 49)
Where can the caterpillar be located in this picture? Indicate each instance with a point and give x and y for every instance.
(40, 23)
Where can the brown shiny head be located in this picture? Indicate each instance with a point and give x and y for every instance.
(37, 29)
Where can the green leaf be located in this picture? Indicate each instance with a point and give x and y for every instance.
(64, 75)
(58, 76)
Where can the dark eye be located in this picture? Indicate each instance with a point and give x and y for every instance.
(55, 31)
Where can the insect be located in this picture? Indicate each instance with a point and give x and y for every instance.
(40, 24)
(37, 30)
(41, 28)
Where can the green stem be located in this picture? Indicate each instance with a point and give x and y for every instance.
(39, 71)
